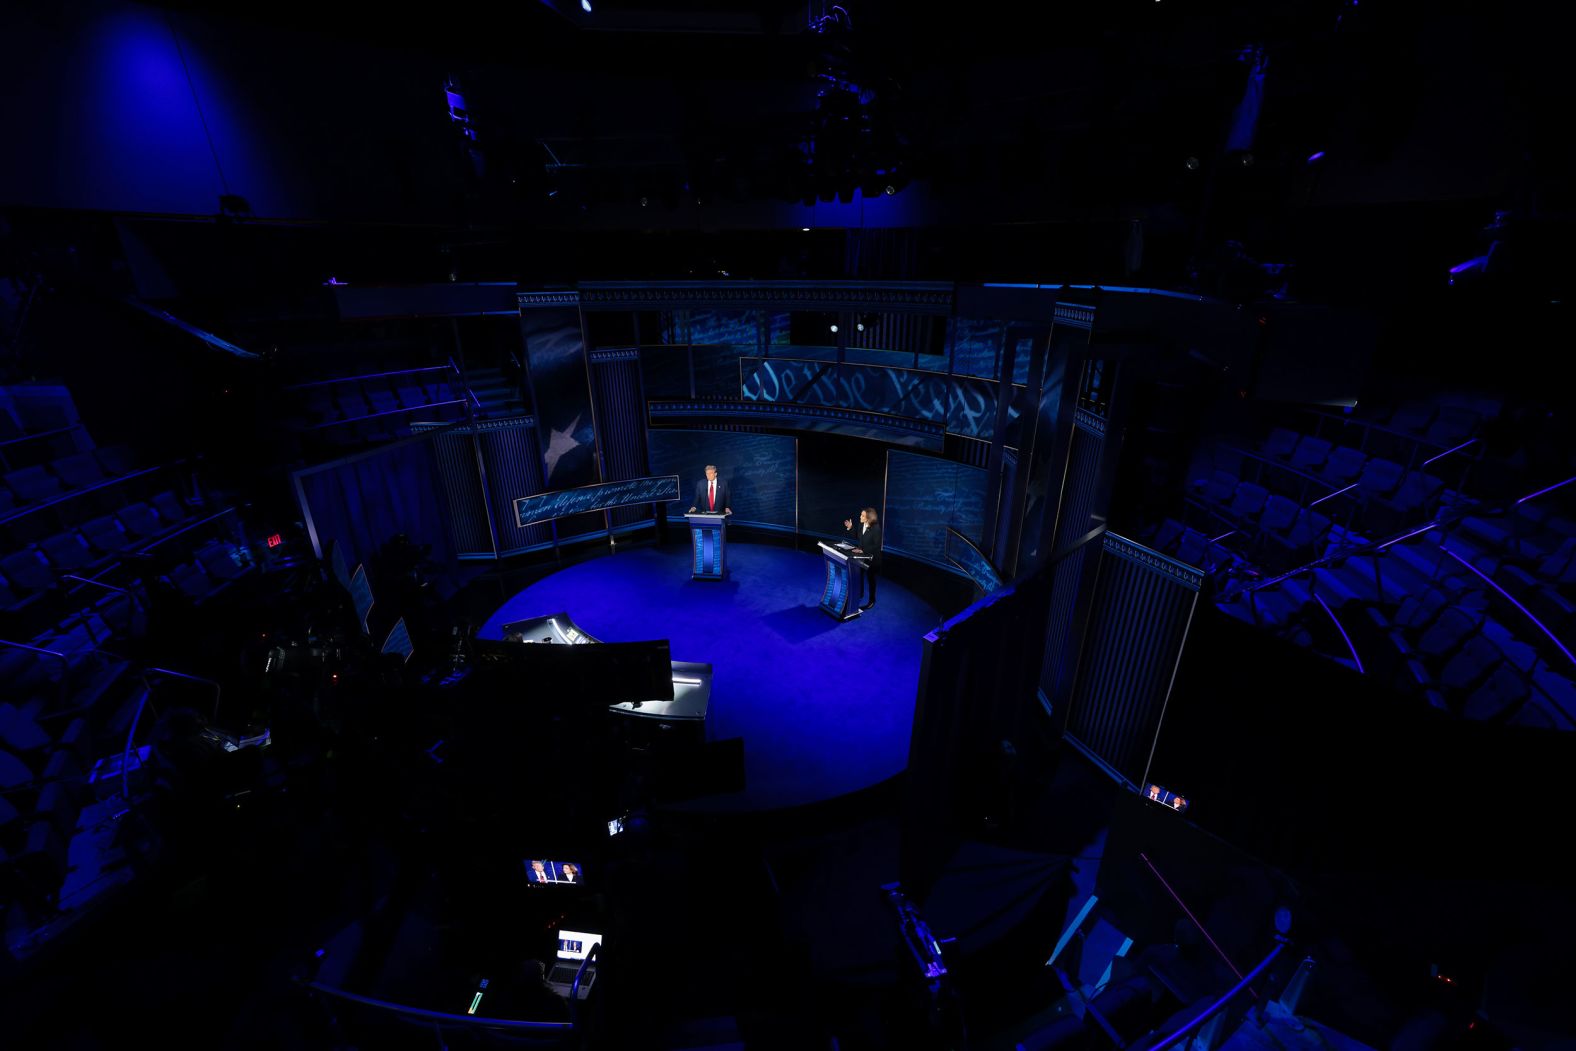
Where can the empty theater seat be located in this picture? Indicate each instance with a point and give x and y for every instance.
(33, 485)
(79, 471)
(1311, 453)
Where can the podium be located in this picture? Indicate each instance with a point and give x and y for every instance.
(845, 581)
(708, 535)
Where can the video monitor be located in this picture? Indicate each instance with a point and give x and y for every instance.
(575, 945)
(1166, 798)
(542, 872)
(361, 596)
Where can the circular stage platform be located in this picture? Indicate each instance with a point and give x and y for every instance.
(824, 708)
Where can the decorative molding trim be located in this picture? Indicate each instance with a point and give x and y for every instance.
(892, 296)
(540, 300)
(1188, 576)
(1090, 422)
(614, 354)
(1075, 314)
(462, 427)
(764, 410)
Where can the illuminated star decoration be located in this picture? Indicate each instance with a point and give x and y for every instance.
(559, 445)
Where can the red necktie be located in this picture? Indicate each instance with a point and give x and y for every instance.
(711, 496)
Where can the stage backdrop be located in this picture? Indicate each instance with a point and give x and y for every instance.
(925, 495)
(837, 478)
(964, 406)
(560, 389)
(759, 469)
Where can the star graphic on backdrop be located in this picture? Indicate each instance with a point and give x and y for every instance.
(560, 443)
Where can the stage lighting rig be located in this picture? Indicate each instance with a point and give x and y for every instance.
(852, 144)
(1491, 261)
(460, 121)
(829, 18)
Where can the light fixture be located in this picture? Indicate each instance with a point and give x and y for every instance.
(1192, 164)
(859, 327)
(890, 189)
(834, 328)
(806, 229)
(585, 5)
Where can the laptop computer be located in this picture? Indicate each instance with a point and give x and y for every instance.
(573, 947)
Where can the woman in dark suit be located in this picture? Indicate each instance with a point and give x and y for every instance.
(867, 540)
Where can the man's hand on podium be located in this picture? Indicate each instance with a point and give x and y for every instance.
(691, 511)
(727, 510)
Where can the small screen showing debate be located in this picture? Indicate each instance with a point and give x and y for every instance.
(545, 872)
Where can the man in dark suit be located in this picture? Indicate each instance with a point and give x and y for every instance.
(866, 538)
(712, 496)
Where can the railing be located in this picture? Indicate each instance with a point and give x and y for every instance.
(1370, 547)
(75, 493)
(82, 615)
(68, 663)
(136, 719)
(369, 376)
(439, 1019)
(450, 368)
(1376, 549)
(217, 689)
(65, 662)
(1215, 1008)
(1416, 445)
(465, 382)
(52, 432)
(389, 412)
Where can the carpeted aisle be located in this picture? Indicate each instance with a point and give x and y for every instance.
(824, 708)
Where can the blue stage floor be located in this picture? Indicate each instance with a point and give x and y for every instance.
(824, 708)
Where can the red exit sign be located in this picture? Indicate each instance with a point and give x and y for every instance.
(275, 540)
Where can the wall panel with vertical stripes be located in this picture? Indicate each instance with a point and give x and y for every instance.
(1138, 622)
(513, 465)
(621, 415)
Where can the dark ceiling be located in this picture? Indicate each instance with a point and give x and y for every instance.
(1024, 140)
(1036, 110)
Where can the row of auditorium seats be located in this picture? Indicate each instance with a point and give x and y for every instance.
(1414, 618)
(358, 410)
(356, 398)
(1372, 474)
(1446, 421)
(32, 570)
(30, 411)
(41, 483)
(1416, 612)
(1377, 495)
(1455, 639)
(67, 696)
